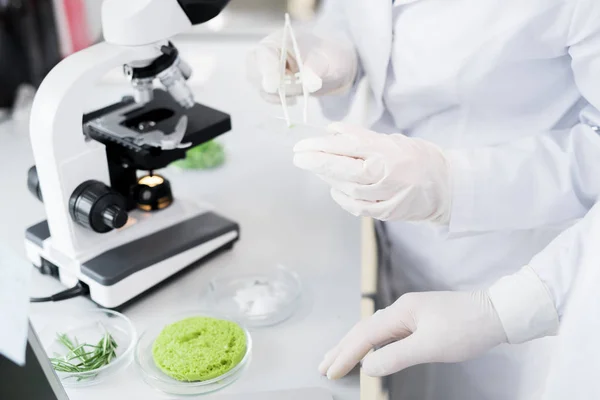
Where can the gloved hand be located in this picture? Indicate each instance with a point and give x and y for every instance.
(331, 61)
(386, 177)
(426, 327)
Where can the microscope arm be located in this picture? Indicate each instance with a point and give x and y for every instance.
(64, 158)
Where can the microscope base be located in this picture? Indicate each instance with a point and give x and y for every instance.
(124, 272)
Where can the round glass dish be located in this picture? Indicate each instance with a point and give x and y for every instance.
(90, 327)
(261, 299)
(154, 377)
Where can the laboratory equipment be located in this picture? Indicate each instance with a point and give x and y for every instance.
(304, 78)
(108, 233)
(88, 328)
(259, 299)
(156, 378)
(292, 128)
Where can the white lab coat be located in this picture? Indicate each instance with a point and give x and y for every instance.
(502, 84)
(578, 340)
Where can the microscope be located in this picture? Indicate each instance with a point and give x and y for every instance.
(114, 228)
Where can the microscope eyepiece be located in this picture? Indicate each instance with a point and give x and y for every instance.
(200, 11)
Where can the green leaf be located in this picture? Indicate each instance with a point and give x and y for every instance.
(204, 156)
(78, 359)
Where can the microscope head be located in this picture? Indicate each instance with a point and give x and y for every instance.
(142, 22)
(154, 22)
(201, 11)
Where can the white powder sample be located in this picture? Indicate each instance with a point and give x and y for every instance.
(261, 298)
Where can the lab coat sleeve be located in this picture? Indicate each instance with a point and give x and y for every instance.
(580, 324)
(332, 21)
(541, 180)
(531, 302)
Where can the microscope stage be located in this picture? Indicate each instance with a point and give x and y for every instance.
(118, 125)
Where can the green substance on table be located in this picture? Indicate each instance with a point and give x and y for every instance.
(85, 357)
(207, 155)
(199, 348)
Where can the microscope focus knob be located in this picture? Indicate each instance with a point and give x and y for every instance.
(97, 207)
(33, 183)
(115, 217)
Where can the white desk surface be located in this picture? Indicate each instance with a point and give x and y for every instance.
(286, 216)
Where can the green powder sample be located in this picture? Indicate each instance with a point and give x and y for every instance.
(207, 155)
(199, 348)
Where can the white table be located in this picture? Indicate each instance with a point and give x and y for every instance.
(285, 215)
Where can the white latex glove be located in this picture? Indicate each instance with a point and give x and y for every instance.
(330, 64)
(386, 177)
(418, 328)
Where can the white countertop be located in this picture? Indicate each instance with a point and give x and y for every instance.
(285, 215)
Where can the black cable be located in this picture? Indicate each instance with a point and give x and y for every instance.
(80, 289)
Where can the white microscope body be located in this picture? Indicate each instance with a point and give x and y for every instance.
(135, 31)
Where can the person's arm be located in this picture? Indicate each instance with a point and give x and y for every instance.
(539, 180)
(577, 344)
(526, 299)
(448, 327)
(543, 180)
(332, 22)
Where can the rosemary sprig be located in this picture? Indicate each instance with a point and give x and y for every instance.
(85, 357)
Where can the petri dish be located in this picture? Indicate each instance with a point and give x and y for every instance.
(297, 129)
(162, 382)
(260, 299)
(90, 327)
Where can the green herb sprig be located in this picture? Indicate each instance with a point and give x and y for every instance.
(85, 357)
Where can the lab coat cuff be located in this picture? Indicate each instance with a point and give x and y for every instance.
(463, 191)
(524, 306)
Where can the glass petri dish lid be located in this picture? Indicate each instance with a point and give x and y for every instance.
(90, 327)
(296, 130)
(261, 299)
(162, 382)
